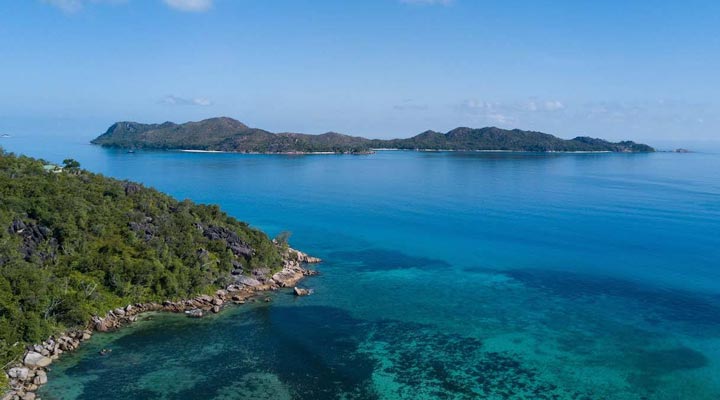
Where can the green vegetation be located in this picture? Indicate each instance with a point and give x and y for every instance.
(227, 134)
(492, 138)
(74, 244)
(224, 134)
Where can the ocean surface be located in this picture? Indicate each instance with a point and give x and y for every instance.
(447, 275)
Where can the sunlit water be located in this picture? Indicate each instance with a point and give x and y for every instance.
(446, 275)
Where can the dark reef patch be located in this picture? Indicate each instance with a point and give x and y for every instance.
(449, 366)
(312, 352)
(660, 303)
(385, 260)
(669, 360)
(294, 346)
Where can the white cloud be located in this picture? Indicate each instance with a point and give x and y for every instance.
(493, 112)
(173, 100)
(72, 6)
(69, 6)
(428, 2)
(501, 118)
(190, 5)
(548, 105)
(529, 106)
(510, 113)
(476, 105)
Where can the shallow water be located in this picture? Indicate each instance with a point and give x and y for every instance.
(447, 275)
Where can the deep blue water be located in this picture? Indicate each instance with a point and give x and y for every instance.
(447, 275)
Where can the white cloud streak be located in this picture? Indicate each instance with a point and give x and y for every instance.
(428, 2)
(190, 5)
(511, 112)
(73, 6)
(173, 100)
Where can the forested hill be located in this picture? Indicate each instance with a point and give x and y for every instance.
(74, 244)
(227, 134)
(492, 138)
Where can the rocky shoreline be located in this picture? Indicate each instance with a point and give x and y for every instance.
(28, 375)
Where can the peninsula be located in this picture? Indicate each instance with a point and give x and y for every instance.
(81, 252)
(229, 135)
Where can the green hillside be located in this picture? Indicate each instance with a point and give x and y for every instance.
(227, 134)
(74, 244)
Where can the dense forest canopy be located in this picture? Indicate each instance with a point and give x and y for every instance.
(227, 134)
(74, 244)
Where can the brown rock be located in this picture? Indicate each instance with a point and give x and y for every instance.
(19, 373)
(40, 378)
(36, 360)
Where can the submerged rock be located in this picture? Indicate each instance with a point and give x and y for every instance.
(302, 292)
(196, 313)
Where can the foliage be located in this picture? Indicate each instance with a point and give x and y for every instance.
(77, 244)
(227, 134)
(282, 239)
(71, 165)
(492, 138)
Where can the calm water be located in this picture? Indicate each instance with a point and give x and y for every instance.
(447, 275)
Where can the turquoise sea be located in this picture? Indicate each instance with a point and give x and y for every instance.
(447, 276)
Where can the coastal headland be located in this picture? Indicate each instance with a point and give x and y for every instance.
(81, 252)
(29, 372)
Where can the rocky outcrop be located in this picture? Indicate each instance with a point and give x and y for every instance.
(144, 229)
(37, 239)
(302, 292)
(305, 258)
(131, 188)
(236, 245)
(26, 377)
(247, 281)
(36, 360)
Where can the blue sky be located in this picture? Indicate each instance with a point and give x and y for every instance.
(380, 68)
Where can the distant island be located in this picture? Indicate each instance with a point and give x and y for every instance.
(229, 135)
